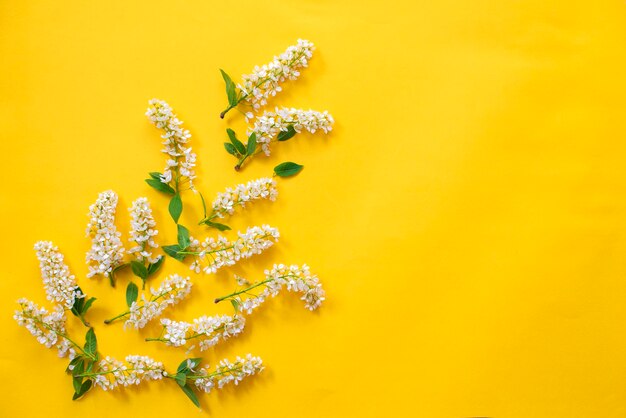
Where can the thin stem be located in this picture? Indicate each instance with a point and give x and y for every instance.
(108, 321)
(239, 292)
(247, 289)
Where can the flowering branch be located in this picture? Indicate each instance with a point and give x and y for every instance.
(179, 171)
(142, 233)
(59, 284)
(213, 254)
(225, 203)
(173, 289)
(209, 330)
(278, 126)
(106, 254)
(265, 81)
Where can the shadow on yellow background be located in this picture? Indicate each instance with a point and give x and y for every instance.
(467, 216)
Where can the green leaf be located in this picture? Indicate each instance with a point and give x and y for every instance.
(78, 303)
(155, 175)
(230, 148)
(87, 304)
(158, 185)
(91, 343)
(251, 144)
(89, 368)
(287, 169)
(218, 226)
(132, 291)
(288, 134)
(172, 251)
(235, 304)
(83, 389)
(176, 207)
(139, 269)
(77, 382)
(231, 92)
(239, 146)
(181, 379)
(183, 367)
(190, 394)
(79, 367)
(74, 361)
(183, 237)
(154, 267)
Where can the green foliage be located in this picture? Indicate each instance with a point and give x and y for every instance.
(160, 186)
(288, 134)
(287, 169)
(176, 207)
(240, 148)
(132, 291)
(173, 251)
(231, 91)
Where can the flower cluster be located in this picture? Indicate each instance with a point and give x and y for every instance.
(173, 289)
(142, 230)
(59, 284)
(264, 82)
(47, 327)
(227, 372)
(181, 162)
(114, 373)
(106, 251)
(213, 254)
(270, 124)
(208, 330)
(295, 278)
(226, 202)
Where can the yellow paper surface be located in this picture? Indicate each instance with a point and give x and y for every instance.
(467, 215)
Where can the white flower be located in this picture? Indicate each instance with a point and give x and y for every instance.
(213, 254)
(59, 284)
(207, 330)
(264, 82)
(173, 289)
(142, 231)
(227, 372)
(225, 203)
(48, 328)
(113, 373)
(270, 124)
(181, 159)
(294, 278)
(106, 251)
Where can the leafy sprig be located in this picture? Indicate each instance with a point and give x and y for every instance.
(81, 306)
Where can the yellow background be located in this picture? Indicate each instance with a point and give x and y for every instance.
(467, 215)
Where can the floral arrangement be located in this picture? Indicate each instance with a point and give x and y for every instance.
(108, 255)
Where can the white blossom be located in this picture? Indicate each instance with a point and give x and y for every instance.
(270, 124)
(173, 289)
(106, 251)
(181, 159)
(264, 82)
(206, 330)
(142, 231)
(213, 254)
(226, 202)
(294, 278)
(47, 327)
(113, 373)
(227, 372)
(59, 284)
